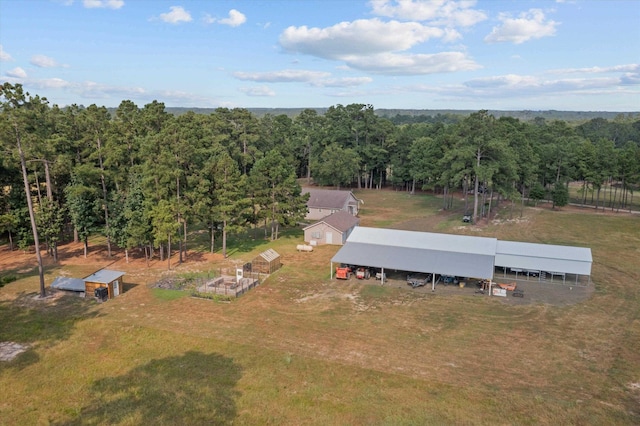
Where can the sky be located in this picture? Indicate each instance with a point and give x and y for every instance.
(577, 55)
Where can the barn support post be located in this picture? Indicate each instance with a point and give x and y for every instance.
(331, 270)
(433, 282)
(382, 276)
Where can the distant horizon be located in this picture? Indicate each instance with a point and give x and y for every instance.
(562, 55)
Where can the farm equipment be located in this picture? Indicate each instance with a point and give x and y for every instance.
(508, 287)
(448, 279)
(343, 273)
(363, 273)
(416, 282)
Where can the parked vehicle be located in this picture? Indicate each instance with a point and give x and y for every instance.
(343, 273)
(416, 282)
(448, 279)
(507, 286)
(363, 273)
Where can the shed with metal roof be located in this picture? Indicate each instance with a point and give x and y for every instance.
(104, 278)
(426, 252)
(520, 257)
(459, 255)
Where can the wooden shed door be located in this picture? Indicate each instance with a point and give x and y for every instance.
(329, 237)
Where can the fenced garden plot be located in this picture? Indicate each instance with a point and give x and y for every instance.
(211, 285)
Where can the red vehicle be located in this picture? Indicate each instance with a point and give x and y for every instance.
(343, 273)
(363, 273)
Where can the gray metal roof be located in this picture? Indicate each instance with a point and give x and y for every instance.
(416, 260)
(419, 252)
(104, 276)
(424, 240)
(458, 255)
(544, 257)
(68, 283)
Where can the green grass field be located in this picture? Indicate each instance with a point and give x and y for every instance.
(302, 349)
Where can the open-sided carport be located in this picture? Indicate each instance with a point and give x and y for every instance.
(457, 255)
(424, 252)
(554, 259)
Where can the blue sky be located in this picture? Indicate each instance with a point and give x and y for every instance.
(581, 55)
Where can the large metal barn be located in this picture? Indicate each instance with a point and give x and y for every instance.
(460, 255)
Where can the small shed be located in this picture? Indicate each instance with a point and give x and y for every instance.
(333, 229)
(110, 279)
(266, 262)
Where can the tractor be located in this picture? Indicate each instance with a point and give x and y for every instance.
(343, 272)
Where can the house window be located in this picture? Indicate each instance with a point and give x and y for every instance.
(316, 234)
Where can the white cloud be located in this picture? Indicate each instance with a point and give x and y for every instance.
(177, 15)
(526, 87)
(208, 19)
(509, 80)
(529, 25)
(106, 4)
(413, 64)
(43, 61)
(629, 73)
(235, 19)
(4, 56)
(599, 70)
(257, 91)
(93, 90)
(313, 78)
(17, 73)
(360, 37)
(50, 83)
(342, 82)
(437, 12)
(283, 76)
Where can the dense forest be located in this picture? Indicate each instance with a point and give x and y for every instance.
(141, 175)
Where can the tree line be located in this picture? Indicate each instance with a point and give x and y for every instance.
(142, 176)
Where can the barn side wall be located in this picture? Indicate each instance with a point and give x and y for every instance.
(318, 233)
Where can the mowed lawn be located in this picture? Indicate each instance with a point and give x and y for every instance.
(302, 349)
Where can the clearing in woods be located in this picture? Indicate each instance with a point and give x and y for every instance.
(303, 349)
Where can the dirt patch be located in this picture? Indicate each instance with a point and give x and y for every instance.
(534, 292)
(10, 350)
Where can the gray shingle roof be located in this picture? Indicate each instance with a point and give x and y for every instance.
(327, 198)
(340, 221)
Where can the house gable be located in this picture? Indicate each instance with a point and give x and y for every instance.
(323, 202)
